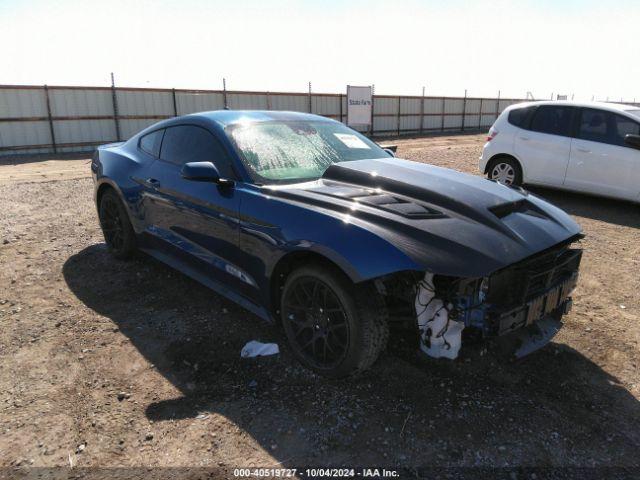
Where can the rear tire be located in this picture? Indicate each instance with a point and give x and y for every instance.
(505, 170)
(334, 327)
(116, 227)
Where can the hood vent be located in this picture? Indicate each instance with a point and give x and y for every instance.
(388, 202)
(393, 204)
(520, 206)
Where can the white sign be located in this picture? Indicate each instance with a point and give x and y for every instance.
(359, 105)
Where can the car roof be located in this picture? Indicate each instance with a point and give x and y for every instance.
(613, 107)
(231, 117)
(220, 119)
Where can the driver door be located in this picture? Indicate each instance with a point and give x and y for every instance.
(195, 223)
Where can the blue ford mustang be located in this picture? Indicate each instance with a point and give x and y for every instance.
(304, 221)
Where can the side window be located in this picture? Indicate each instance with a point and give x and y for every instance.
(594, 125)
(555, 120)
(606, 127)
(150, 143)
(521, 117)
(623, 127)
(188, 143)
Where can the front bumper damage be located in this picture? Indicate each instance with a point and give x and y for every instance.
(529, 339)
(522, 305)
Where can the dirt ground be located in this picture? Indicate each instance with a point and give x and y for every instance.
(105, 363)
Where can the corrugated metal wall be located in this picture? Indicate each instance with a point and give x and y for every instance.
(37, 119)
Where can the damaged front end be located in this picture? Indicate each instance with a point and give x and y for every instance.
(521, 304)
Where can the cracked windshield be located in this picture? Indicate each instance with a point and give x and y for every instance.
(298, 151)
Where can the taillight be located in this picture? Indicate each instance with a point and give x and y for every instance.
(492, 134)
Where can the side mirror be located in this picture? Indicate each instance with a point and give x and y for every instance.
(203, 172)
(390, 149)
(632, 141)
(390, 152)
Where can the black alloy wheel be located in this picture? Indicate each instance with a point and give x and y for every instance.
(334, 327)
(116, 228)
(318, 322)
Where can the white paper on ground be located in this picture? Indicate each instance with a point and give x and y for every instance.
(259, 349)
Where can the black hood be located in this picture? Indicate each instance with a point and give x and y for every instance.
(449, 222)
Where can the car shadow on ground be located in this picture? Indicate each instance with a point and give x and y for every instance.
(603, 209)
(555, 407)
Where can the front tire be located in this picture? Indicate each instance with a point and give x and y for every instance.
(505, 170)
(116, 227)
(334, 327)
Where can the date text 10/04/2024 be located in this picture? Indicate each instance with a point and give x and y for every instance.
(316, 472)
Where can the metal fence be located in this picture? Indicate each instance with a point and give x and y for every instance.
(60, 119)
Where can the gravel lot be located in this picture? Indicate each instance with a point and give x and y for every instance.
(106, 363)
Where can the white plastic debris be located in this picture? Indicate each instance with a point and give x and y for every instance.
(259, 349)
(439, 335)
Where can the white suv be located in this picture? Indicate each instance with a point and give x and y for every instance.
(584, 147)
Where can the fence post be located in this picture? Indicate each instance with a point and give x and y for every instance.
(398, 117)
(373, 106)
(310, 102)
(268, 101)
(115, 107)
(464, 109)
(340, 101)
(442, 116)
(480, 115)
(53, 135)
(422, 113)
(175, 105)
(498, 105)
(224, 93)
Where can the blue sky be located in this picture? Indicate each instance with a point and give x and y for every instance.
(571, 47)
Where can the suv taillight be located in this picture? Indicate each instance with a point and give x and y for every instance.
(492, 134)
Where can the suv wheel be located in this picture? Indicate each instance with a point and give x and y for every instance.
(505, 170)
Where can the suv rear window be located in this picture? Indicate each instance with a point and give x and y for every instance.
(520, 117)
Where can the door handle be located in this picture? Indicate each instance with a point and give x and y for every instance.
(152, 182)
(583, 150)
(524, 138)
